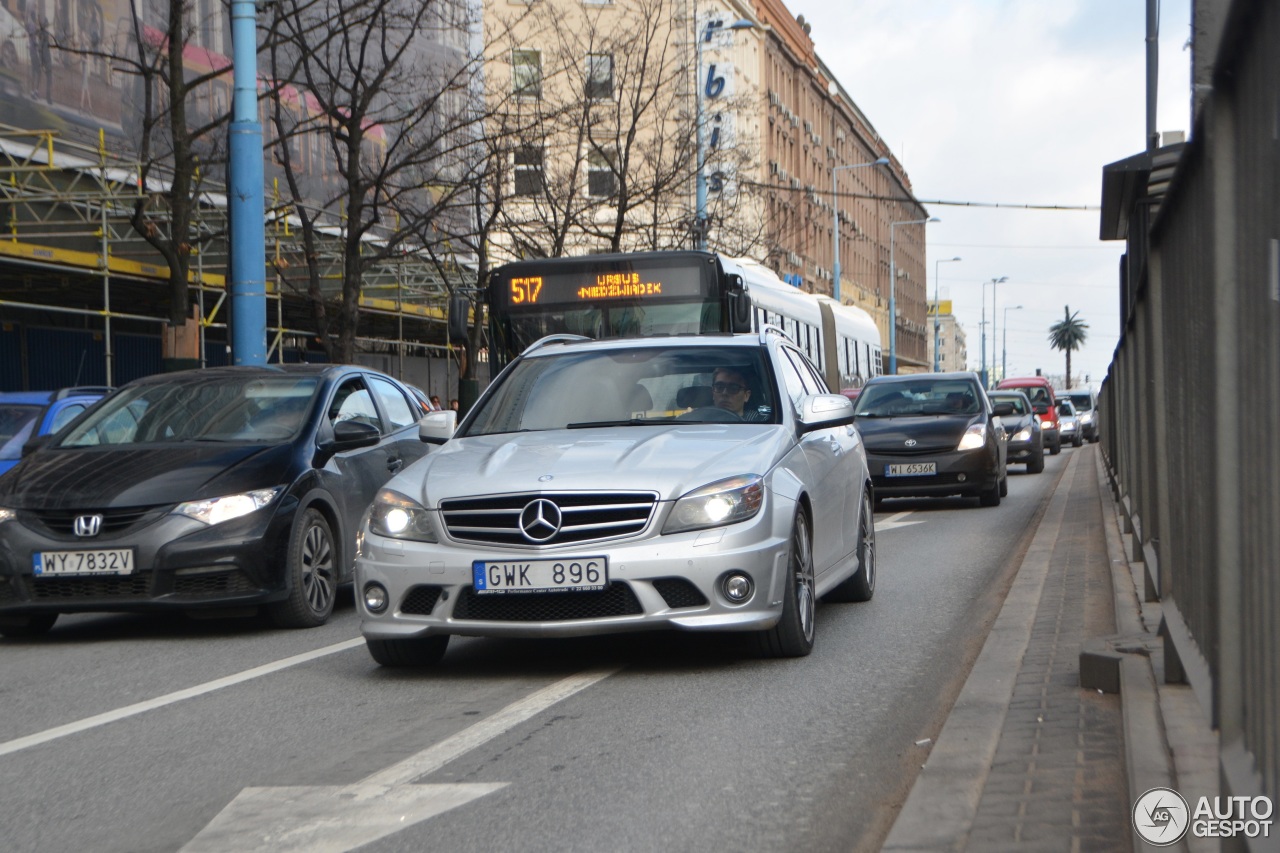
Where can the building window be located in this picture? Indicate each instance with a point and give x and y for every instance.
(601, 180)
(599, 75)
(526, 73)
(529, 170)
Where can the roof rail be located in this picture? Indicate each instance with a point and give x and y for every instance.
(554, 339)
(64, 393)
(766, 330)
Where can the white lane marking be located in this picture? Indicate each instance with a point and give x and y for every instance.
(168, 699)
(896, 520)
(435, 757)
(337, 819)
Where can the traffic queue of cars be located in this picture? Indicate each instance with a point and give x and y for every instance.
(708, 483)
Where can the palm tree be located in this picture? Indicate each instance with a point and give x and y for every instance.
(1068, 335)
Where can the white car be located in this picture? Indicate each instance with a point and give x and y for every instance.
(701, 483)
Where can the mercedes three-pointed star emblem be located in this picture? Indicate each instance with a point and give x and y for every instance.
(540, 520)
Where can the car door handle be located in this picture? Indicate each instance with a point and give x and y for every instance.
(394, 465)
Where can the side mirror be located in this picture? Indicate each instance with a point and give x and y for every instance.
(350, 435)
(1003, 409)
(437, 427)
(739, 306)
(1041, 408)
(820, 411)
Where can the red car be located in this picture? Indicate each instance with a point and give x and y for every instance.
(1040, 392)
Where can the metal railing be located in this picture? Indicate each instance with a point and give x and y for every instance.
(1192, 400)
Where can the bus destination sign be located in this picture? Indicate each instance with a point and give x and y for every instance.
(569, 287)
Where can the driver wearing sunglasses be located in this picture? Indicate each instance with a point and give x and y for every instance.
(730, 391)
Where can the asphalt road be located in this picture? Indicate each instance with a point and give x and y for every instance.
(129, 733)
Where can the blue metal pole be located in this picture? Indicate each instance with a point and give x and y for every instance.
(246, 204)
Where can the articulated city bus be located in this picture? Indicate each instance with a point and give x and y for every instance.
(648, 294)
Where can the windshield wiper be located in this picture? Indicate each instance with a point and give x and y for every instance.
(627, 422)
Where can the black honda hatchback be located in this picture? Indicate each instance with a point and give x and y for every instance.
(220, 489)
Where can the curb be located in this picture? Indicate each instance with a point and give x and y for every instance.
(940, 809)
(1125, 662)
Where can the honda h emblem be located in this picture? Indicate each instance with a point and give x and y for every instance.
(87, 525)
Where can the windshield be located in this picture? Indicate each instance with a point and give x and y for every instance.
(1019, 402)
(226, 408)
(1082, 402)
(625, 387)
(919, 397)
(17, 424)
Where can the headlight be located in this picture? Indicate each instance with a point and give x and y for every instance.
(218, 510)
(973, 438)
(399, 517)
(716, 504)
(1086, 418)
(7, 514)
(1023, 434)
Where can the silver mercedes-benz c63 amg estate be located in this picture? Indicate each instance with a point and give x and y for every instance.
(701, 483)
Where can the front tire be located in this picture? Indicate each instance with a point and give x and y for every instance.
(419, 651)
(793, 636)
(312, 566)
(34, 625)
(861, 585)
(990, 497)
(1036, 463)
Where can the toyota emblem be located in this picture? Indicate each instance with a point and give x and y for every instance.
(910, 442)
(87, 525)
(540, 520)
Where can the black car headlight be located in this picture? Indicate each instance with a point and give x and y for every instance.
(1023, 434)
(717, 504)
(7, 514)
(217, 510)
(398, 516)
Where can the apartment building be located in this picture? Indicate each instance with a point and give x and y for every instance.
(792, 163)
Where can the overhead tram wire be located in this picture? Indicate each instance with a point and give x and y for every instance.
(922, 201)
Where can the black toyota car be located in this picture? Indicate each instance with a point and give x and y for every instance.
(223, 488)
(932, 434)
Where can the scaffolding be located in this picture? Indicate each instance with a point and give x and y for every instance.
(67, 246)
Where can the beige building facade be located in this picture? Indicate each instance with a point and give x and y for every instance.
(792, 163)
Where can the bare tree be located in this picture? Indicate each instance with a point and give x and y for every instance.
(372, 128)
(174, 138)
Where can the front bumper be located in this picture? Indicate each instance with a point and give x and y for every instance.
(656, 582)
(178, 564)
(959, 472)
(1024, 451)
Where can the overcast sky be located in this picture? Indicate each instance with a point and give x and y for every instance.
(1014, 102)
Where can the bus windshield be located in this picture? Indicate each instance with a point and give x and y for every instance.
(605, 296)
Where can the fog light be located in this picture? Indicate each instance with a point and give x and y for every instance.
(375, 597)
(737, 587)
(961, 477)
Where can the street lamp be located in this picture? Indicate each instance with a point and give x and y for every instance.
(835, 220)
(983, 324)
(1004, 344)
(937, 321)
(701, 183)
(893, 286)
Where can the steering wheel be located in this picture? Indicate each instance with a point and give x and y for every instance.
(712, 415)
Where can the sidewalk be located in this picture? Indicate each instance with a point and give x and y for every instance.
(1028, 758)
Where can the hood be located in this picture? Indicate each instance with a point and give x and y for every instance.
(668, 459)
(106, 477)
(1013, 423)
(930, 432)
